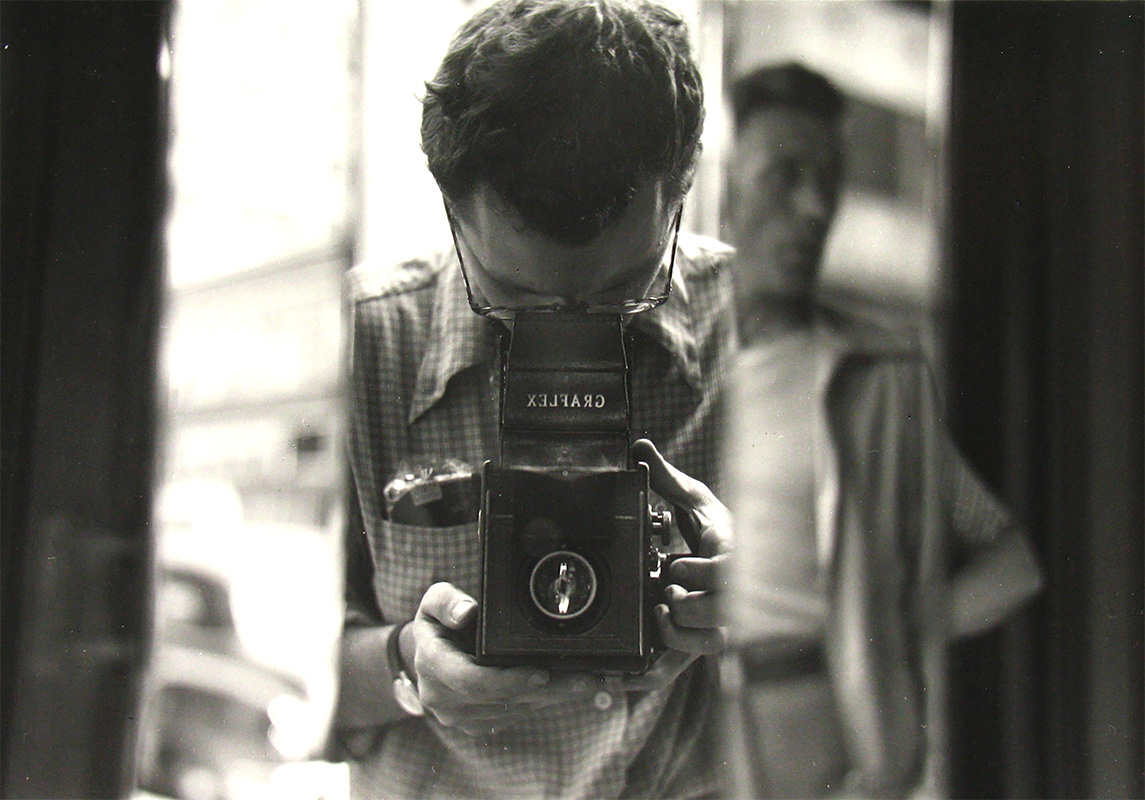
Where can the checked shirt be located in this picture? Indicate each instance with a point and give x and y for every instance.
(425, 383)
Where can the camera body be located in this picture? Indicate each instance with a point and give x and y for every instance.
(570, 563)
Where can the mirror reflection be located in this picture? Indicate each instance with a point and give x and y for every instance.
(295, 162)
(295, 156)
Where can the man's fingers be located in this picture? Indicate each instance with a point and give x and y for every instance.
(446, 604)
(447, 675)
(693, 610)
(444, 670)
(670, 483)
(700, 641)
(703, 520)
(666, 669)
(700, 574)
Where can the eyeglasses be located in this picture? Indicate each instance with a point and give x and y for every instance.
(662, 286)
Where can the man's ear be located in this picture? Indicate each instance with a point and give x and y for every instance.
(689, 176)
(458, 207)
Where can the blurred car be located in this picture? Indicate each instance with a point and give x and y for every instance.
(238, 696)
(208, 732)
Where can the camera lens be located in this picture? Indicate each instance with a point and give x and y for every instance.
(563, 585)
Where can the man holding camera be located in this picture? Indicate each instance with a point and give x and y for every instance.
(563, 135)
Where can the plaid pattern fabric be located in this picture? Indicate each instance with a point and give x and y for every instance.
(978, 518)
(425, 381)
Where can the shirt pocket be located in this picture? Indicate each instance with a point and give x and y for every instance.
(411, 558)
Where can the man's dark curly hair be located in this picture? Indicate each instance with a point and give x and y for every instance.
(790, 85)
(565, 108)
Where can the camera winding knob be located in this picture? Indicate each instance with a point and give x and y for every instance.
(660, 523)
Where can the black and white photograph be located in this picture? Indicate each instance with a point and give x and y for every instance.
(572, 399)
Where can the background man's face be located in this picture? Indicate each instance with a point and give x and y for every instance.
(783, 190)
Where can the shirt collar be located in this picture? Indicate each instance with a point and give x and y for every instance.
(671, 325)
(460, 339)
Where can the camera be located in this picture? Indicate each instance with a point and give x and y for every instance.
(571, 567)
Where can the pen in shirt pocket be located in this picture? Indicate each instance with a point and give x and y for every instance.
(433, 492)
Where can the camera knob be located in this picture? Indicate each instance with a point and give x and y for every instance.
(661, 523)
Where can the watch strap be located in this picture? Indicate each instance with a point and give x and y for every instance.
(405, 689)
(394, 652)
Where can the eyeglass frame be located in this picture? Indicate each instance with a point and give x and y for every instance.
(622, 307)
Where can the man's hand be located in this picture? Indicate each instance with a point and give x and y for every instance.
(690, 622)
(480, 700)
(458, 692)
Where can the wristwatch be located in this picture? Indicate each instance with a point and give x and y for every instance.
(405, 690)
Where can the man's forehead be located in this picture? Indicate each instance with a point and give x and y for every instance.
(484, 205)
(787, 127)
(487, 215)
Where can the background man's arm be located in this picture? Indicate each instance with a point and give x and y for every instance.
(996, 570)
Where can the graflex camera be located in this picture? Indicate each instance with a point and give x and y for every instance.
(571, 568)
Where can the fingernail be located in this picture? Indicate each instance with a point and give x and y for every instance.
(679, 570)
(460, 609)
